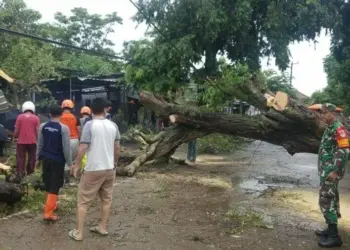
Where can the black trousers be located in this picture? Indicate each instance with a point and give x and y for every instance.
(2, 145)
(53, 175)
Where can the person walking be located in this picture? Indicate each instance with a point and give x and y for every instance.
(3, 139)
(73, 123)
(332, 160)
(26, 132)
(191, 152)
(54, 152)
(85, 113)
(100, 140)
(108, 110)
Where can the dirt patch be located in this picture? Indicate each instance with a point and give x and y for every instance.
(175, 207)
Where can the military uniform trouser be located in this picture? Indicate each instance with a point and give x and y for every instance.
(329, 200)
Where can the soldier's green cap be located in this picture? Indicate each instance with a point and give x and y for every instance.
(329, 107)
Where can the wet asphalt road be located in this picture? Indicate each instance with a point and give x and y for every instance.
(264, 160)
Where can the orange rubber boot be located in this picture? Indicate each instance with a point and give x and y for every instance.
(56, 204)
(49, 207)
(56, 207)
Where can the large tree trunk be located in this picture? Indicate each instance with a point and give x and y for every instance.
(294, 126)
(10, 193)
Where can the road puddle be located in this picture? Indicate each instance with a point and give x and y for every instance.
(261, 184)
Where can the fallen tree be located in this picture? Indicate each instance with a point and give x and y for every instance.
(283, 121)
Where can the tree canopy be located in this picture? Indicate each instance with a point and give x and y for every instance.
(32, 61)
(199, 32)
(244, 30)
(337, 65)
(185, 47)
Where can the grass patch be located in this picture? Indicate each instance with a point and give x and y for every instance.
(68, 200)
(34, 201)
(145, 210)
(239, 218)
(162, 191)
(218, 143)
(284, 196)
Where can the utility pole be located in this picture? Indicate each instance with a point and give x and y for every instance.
(291, 72)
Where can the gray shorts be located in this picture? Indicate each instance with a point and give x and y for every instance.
(74, 146)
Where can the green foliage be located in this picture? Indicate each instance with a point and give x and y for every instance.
(279, 82)
(217, 143)
(337, 90)
(90, 65)
(337, 64)
(219, 92)
(31, 61)
(155, 67)
(86, 30)
(244, 30)
(35, 201)
(240, 218)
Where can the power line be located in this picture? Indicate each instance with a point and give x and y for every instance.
(16, 33)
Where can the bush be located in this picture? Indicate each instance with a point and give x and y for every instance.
(218, 143)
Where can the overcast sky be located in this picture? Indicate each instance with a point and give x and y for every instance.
(308, 73)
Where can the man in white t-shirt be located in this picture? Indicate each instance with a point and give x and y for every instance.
(100, 140)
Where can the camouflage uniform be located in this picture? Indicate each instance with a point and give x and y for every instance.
(332, 156)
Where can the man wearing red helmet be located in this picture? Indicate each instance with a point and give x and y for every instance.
(73, 123)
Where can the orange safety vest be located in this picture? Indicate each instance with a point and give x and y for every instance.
(72, 122)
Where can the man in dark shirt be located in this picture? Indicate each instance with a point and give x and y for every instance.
(54, 151)
(108, 110)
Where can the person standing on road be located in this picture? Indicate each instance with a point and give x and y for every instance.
(100, 139)
(73, 123)
(332, 160)
(85, 113)
(54, 152)
(108, 110)
(26, 131)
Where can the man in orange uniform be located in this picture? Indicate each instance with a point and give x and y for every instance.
(73, 123)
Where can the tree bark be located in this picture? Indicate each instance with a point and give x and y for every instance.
(10, 193)
(292, 126)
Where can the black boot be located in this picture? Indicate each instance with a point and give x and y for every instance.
(322, 233)
(333, 239)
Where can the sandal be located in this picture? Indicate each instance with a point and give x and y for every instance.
(73, 235)
(97, 230)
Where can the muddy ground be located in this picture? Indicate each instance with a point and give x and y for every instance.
(230, 201)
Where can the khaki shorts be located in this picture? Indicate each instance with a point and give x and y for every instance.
(93, 182)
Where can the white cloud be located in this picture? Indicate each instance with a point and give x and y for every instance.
(308, 73)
